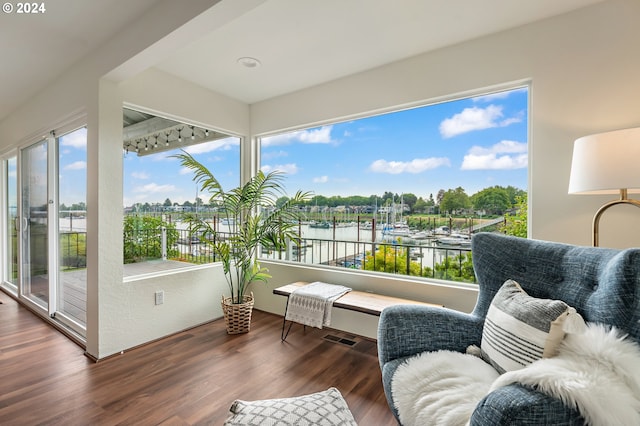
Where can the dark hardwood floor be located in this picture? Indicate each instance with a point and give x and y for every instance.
(186, 379)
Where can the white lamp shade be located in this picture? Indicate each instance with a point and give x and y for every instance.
(605, 163)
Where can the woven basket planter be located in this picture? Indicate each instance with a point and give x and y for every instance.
(237, 316)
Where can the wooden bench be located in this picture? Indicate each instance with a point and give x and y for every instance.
(358, 301)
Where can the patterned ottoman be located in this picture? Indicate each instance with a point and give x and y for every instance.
(326, 408)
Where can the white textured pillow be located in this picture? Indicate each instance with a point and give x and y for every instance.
(520, 329)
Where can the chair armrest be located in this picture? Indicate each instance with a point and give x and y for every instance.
(406, 330)
(517, 405)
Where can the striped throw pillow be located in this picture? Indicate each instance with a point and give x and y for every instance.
(520, 329)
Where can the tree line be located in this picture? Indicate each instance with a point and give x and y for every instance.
(495, 200)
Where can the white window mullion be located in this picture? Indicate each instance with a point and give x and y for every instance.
(52, 214)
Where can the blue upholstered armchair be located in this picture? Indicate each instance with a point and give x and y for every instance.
(602, 284)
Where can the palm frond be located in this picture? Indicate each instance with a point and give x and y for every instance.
(201, 175)
(257, 222)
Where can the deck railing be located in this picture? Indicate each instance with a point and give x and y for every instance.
(427, 258)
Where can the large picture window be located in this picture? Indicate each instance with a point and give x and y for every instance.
(424, 178)
(158, 191)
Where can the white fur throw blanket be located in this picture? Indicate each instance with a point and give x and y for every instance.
(597, 372)
(440, 388)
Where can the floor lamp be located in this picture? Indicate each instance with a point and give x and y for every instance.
(607, 163)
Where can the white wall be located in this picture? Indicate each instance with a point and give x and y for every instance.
(128, 315)
(584, 71)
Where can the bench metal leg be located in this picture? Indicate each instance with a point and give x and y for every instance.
(283, 335)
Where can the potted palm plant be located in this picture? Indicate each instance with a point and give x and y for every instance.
(254, 221)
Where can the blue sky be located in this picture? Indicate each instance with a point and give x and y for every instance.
(72, 152)
(473, 143)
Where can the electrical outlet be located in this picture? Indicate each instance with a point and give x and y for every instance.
(159, 297)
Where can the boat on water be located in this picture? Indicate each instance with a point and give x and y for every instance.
(421, 235)
(398, 229)
(323, 225)
(455, 239)
(442, 230)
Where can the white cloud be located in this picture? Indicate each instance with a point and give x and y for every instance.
(272, 155)
(321, 179)
(321, 135)
(417, 165)
(475, 118)
(76, 165)
(470, 119)
(154, 188)
(77, 139)
(220, 144)
(290, 169)
(140, 175)
(504, 155)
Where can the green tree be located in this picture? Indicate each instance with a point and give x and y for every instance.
(319, 200)
(516, 222)
(514, 193)
(431, 201)
(456, 268)
(454, 199)
(387, 198)
(167, 203)
(392, 259)
(494, 200)
(143, 238)
(409, 200)
(420, 206)
(78, 206)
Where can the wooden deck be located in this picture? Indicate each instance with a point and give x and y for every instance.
(74, 284)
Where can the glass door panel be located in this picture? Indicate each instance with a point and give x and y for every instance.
(72, 227)
(10, 224)
(35, 223)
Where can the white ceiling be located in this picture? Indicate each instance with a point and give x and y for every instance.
(300, 43)
(37, 48)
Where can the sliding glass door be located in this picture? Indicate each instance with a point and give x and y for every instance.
(34, 224)
(50, 225)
